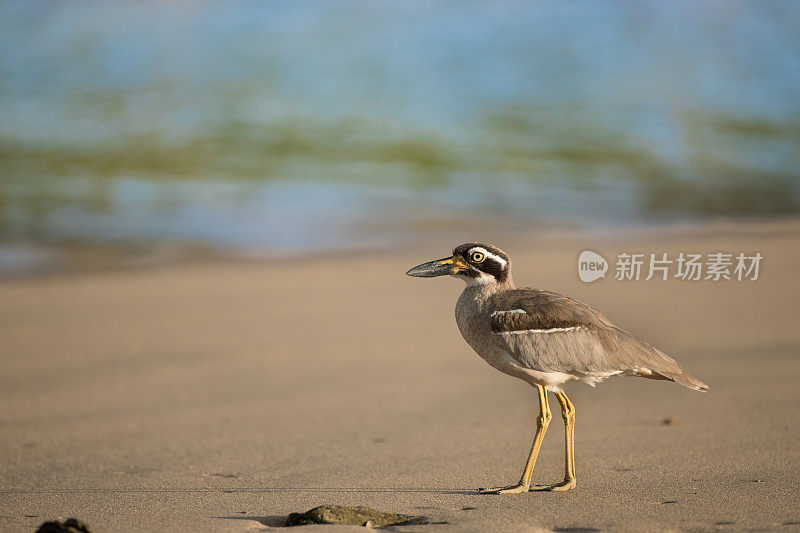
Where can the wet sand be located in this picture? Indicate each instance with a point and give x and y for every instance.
(222, 396)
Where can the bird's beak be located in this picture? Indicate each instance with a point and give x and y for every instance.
(440, 267)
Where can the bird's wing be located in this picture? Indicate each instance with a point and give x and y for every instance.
(549, 332)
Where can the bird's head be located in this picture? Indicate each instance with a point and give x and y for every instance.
(475, 263)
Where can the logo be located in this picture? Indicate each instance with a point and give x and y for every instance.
(591, 266)
(684, 266)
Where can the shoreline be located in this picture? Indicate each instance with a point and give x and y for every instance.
(26, 260)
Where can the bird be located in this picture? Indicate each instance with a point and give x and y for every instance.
(545, 339)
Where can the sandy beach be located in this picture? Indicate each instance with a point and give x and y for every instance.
(223, 395)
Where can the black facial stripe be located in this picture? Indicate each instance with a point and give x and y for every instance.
(491, 266)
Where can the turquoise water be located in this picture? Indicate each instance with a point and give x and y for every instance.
(308, 125)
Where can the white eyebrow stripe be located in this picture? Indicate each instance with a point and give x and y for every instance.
(552, 330)
(511, 312)
(487, 253)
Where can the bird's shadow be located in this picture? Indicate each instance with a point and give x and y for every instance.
(234, 490)
(269, 521)
(361, 490)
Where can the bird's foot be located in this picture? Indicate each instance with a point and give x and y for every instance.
(567, 484)
(513, 489)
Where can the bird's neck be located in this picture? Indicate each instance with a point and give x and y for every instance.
(481, 290)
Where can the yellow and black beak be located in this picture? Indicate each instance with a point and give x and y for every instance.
(440, 267)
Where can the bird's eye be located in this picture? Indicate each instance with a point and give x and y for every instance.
(477, 257)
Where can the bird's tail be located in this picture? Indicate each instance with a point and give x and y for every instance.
(675, 373)
(658, 365)
(688, 380)
(678, 375)
(649, 362)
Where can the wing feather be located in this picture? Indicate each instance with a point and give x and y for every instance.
(549, 332)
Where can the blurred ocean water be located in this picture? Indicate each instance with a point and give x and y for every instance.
(318, 125)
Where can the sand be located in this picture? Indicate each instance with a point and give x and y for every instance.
(222, 396)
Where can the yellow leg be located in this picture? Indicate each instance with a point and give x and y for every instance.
(542, 421)
(568, 414)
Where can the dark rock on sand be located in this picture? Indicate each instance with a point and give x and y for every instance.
(354, 516)
(70, 525)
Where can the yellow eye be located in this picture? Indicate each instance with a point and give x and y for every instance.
(477, 257)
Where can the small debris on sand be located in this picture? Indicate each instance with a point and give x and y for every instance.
(70, 525)
(354, 516)
(669, 421)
